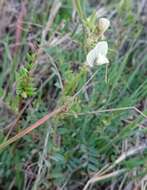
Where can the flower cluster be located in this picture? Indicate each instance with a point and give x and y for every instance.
(98, 55)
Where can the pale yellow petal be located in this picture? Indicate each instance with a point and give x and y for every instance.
(101, 59)
(98, 54)
(101, 48)
(91, 57)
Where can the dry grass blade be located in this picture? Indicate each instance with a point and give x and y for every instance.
(19, 25)
(100, 178)
(42, 158)
(130, 153)
(54, 10)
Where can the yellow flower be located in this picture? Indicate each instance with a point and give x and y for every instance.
(98, 54)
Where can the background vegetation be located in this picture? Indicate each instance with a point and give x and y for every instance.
(92, 135)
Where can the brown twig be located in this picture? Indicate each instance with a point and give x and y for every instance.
(34, 126)
(14, 123)
(19, 26)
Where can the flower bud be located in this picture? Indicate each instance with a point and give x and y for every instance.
(103, 25)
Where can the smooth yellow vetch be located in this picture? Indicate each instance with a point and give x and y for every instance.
(98, 55)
